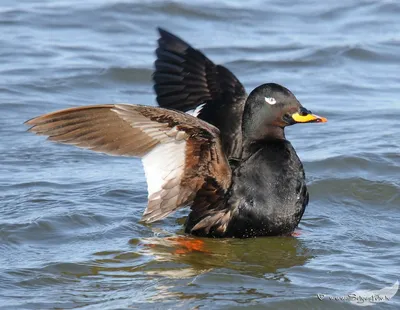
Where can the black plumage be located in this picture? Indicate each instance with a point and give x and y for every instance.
(268, 194)
(232, 165)
(184, 79)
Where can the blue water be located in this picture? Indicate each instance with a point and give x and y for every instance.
(70, 235)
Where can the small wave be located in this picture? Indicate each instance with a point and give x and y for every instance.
(40, 184)
(128, 75)
(369, 54)
(362, 192)
(169, 7)
(378, 167)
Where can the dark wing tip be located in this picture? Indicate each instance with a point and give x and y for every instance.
(33, 122)
(164, 34)
(169, 41)
(28, 122)
(162, 31)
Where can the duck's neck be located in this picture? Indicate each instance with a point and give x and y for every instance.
(252, 142)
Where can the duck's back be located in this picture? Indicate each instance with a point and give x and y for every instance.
(268, 193)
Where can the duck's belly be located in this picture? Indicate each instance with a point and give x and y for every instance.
(248, 222)
(269, 194)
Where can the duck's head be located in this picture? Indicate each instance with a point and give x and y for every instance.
(269, 109)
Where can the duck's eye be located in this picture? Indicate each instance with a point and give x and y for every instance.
(270, 100)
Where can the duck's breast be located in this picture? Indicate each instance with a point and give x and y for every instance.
(269, 193)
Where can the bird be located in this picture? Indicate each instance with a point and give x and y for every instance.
(208, 145)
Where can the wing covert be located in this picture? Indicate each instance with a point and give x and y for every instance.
(179, 152)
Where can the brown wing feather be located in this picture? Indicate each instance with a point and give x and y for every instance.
(179, 152)
(210, 215)
(97, 128)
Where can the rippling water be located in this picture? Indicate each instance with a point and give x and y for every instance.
(69, 231)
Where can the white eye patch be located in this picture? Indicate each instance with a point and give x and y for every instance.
(270, 100)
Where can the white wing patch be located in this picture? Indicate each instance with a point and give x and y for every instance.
(133, 130)
(270, 100)
(164, 163)
(164, 168)
(196, 111)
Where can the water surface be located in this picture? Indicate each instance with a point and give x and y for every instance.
(70, 236)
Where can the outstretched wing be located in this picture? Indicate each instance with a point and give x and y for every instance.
(185, 79)
(179, 152)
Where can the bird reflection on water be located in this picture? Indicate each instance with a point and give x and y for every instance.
(256, 257)
(166, 259)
